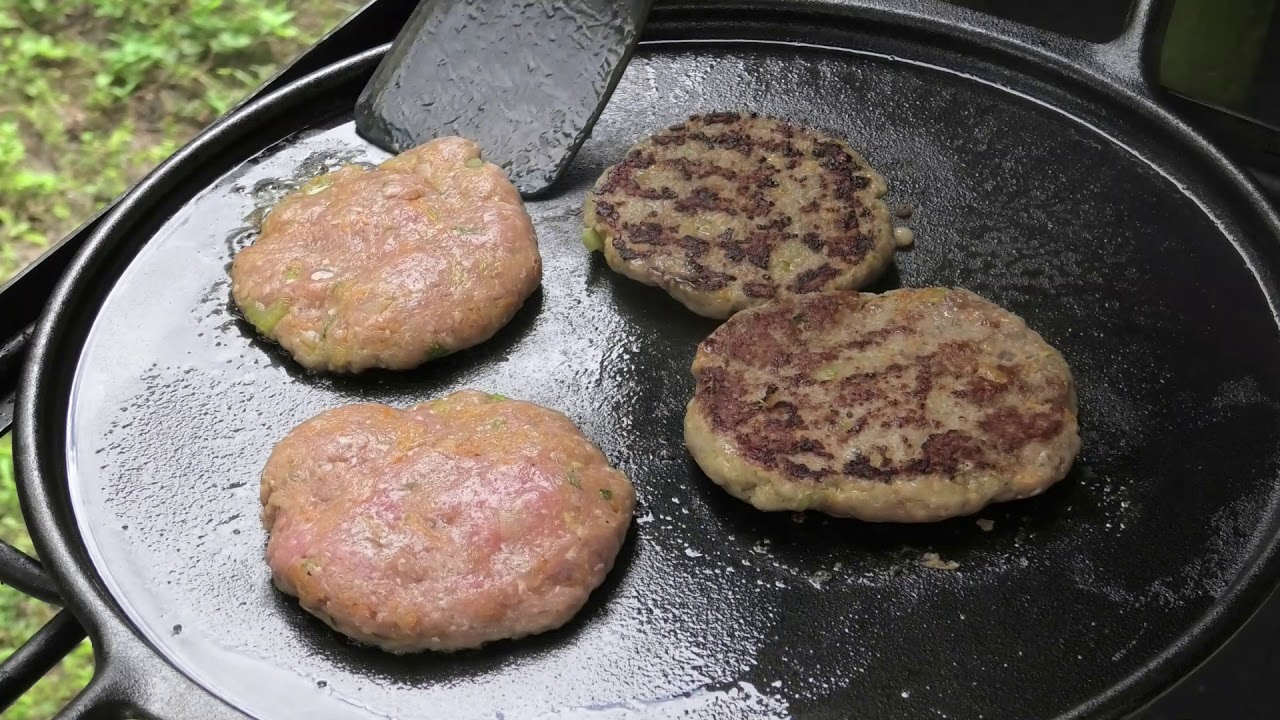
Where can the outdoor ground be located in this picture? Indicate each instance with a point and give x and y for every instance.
(93, 93)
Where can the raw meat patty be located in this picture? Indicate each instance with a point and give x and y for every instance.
(727, 211)
(911, 406)
(430, 252)
(459, 521)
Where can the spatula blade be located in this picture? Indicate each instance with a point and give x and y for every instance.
(525, 79)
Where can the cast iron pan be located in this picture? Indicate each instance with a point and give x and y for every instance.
(1045, 176)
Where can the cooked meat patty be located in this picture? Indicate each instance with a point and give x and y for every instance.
(911, 406)
(727, 211)
(459, 521)
(428, 253)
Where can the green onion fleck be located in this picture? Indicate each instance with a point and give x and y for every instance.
(475, 163)
(831, 371)
(437, 350)
(292, 272)
(497, 424)
(317, 184)
(574, 480)
(465, 230)
(592, 240)
(266, 317)
(606, 493)
(497, 397)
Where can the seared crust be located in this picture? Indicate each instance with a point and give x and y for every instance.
(728, 210)
(911, 406)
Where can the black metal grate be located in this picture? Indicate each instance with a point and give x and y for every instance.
(23, 573)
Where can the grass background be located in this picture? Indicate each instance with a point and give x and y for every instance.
(94, 93)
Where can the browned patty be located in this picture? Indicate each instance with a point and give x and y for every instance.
(915, 405)
(729, 210)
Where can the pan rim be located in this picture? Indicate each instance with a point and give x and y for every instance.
(42, 473)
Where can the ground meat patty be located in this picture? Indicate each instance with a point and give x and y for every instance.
(911, 406)
(727, 211)
(428, 253)
(459, 521)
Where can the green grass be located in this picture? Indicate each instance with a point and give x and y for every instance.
(94, 93)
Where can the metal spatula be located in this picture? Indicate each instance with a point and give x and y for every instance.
(526, 79)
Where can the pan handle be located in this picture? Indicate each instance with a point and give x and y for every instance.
(1131, 57)
(132, 683)
(1127, 61)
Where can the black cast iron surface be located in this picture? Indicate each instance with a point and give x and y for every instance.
(526, 80)
(1119, 248)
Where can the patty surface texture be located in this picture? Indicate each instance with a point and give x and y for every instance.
(454, 523)
(428, 253)
(727, 210)
(911, 406)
